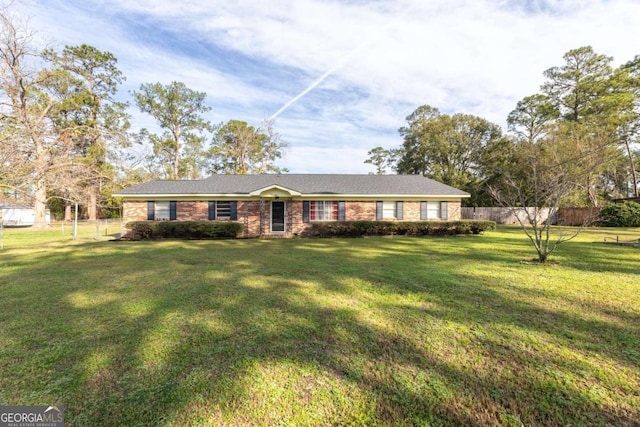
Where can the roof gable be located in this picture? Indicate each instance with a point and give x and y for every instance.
(274, 191)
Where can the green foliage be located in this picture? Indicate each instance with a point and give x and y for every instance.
(446, 148)
(601, 104)
(382, 159)
(238, 148)
(177, 109)
(89, 119)
(626, 214)
(145, 230)
(399, 228)
(531, 117)
(579, 89)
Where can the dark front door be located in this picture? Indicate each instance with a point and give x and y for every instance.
(277, 217)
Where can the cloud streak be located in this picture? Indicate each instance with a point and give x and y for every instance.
(341, 76)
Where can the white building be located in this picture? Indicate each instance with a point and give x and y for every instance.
(20, 216)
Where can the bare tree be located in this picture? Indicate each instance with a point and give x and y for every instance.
(540, 176)
(36, 157)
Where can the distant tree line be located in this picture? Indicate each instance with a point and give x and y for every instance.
(576, 137)
(66, 139)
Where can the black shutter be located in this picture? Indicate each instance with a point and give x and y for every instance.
(399, 210)
(151, 211)
(423, 211)
(305, 211)
(173, 211)
(212, 211)
(379, 208)
(234, 211)
(341, 211)
(444, 211)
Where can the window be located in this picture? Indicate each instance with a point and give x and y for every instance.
(433, 210)
(323, 210)
(389, 210)
(161, 210)
(225, 209)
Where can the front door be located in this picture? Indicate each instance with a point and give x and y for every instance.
(277, 217)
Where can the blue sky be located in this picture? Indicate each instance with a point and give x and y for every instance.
(381, 59)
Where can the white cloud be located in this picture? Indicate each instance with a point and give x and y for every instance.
(472, 56)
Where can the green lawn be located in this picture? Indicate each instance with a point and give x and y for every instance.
(377, 331)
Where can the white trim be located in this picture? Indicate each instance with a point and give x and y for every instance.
(277, 188)
(284, 217)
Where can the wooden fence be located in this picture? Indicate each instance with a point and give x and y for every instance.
(503, 215)
(578, 216)
(564, 216)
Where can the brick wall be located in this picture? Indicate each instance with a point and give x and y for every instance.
(297, 226)
(192, 211)
(360, 211)
(249, 214)
(454, 211)
(134, 211)
(411, 211)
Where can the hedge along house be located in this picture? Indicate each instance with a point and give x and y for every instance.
(285, 205)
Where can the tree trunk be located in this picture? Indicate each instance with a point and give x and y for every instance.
(40, 204)
(67, 211)
(93, 205)
(633, 169)
(591, 193)
(176, 165)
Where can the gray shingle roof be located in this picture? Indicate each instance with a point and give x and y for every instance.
(366, 185)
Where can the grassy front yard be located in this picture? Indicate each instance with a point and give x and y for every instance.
(379, 331)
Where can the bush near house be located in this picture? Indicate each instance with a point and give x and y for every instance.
(388, 228)
(626, 214)
(144, 230)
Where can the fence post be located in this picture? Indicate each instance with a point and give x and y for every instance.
(75, 224)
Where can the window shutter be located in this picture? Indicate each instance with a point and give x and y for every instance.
(212, 211)
(444, 213)
(399, 210)
(341, 211)
(305, 211)
(234, 211)
(151, 211)
(173, 211)
(423, 211)
(378, 210)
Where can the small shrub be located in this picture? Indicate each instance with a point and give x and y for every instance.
(145, 230)
(398, 228)
(626, 214)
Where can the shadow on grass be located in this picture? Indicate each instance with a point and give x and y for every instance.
(322, 332)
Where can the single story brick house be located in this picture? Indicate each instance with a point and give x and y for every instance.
(283, 205)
